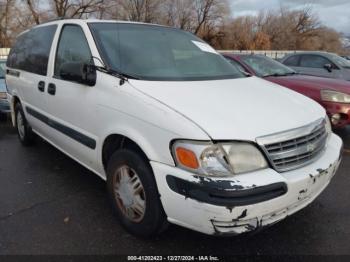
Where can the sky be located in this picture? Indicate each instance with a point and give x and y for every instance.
(332, 13)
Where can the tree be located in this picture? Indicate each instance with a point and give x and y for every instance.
(147, 11)
(5, 6)
(202, 17)
(62, 8)
(10, 13)
(261, 41)
(240, 33)
(209, 19)
(179, 13)
(210, 16)
(281, 29)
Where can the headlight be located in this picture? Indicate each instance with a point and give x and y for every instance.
(3, 95)
(333, 96)
(220, 160)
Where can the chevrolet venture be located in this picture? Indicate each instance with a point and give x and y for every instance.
(178, 133)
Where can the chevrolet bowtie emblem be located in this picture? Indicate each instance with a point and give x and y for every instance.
(311, 147)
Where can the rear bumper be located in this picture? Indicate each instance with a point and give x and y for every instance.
(246, 202)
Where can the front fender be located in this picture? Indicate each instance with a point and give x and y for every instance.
(152, 139)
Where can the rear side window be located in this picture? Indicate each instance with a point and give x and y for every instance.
(32, 50)
(313, 61)
(292, 61)
(72, 47)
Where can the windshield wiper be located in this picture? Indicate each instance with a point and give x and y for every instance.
(123, 76)
(277, 75)
(292, 73)
(246, 73)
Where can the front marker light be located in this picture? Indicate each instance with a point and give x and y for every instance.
(334, 96)
(187, 158)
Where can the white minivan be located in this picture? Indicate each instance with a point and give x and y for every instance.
(178, 133)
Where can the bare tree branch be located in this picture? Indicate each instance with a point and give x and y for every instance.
(33, 11)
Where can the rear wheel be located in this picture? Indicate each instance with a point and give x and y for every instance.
(24, 131)
(134, 195)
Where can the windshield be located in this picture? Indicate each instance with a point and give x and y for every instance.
(2, 69)
(265, 66)
(340, 61)
(159, 53)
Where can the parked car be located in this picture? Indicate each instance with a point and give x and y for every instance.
(319, 64)
(177, 133)
(332, 94)
(346, 57)
(4, 105)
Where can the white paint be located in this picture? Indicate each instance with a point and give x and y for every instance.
(242, 109)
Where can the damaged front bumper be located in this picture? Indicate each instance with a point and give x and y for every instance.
(243, 203)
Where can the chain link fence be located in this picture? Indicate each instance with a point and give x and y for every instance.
(275, 54)
(270, 53)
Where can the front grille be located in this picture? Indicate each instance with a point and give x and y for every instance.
(295, 148)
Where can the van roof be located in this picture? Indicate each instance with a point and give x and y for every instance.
(85, 21)
(58, 21)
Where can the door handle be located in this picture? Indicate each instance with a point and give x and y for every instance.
(51, 89)
(41, 86)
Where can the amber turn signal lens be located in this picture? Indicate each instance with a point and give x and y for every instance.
(187, 158)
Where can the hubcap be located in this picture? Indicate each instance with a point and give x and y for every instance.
(129, 193)
(20, 125)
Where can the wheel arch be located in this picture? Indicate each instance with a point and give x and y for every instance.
(14, 101)
(117, 141)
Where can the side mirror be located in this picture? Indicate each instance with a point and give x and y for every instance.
(328, 67)
(79, 72)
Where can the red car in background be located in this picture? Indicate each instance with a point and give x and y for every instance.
(332, 94)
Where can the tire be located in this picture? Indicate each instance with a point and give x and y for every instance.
(24, 131)
(127, 164)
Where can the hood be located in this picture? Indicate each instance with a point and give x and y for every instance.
(235, 109)
(2, 85)
(312, 82)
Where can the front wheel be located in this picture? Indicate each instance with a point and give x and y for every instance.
(134, 195)
(24, 131)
